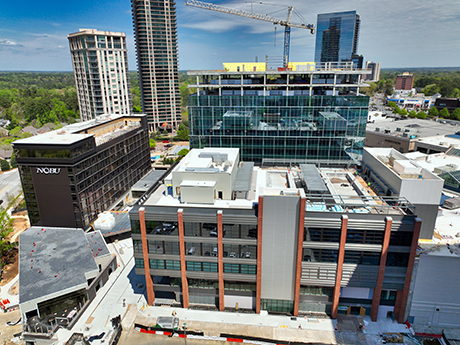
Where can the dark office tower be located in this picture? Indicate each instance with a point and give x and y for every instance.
(157, 59)
(337, 36)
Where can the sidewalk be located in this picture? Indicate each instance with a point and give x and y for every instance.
(5, 294)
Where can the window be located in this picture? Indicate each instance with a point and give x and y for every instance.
(135, 226)
(137, 244)
(139, 263)
(322, 235)
(316, 291)
(172, 265)
(209, 267)
(193, 266)
(156, 264)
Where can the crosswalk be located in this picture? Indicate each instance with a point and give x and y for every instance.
(10, 183)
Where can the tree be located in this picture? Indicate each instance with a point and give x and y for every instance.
(182, 133)
(6, 227)
(433, 112)
(413, 114)
(13, 162)
(421, 115)
(403, 112)
(4, 165)
(444, 113)
(182, 153)
(456, 114)
(152, 143)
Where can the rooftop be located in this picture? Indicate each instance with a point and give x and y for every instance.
(112, 223)
(47, 262)
(82, 32)
(326, 190)
(148, 180)
(103, 128)
(209, 160)
(417, 127)
(401, 165)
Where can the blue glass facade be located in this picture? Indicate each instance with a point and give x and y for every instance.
(336, 36)
(327, 130)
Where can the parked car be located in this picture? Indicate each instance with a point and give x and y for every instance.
(166, 228)
(191, 251)
(214, 233)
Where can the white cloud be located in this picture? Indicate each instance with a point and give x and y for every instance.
(7, 42)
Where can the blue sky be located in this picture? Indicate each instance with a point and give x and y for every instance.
(397, 33)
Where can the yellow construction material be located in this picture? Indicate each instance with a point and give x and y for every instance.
(301, 66)
(244, 66)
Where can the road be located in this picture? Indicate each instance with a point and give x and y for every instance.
(10, 184)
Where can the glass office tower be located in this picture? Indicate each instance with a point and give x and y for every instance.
(287, 117)
(337, 36)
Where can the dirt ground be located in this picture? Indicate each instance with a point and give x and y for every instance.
(11, 259)
(7, 332)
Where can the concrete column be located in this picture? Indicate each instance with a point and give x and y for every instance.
(397, 303)
(220, 262)
(338, 276)
(145, 254)
(410, 269)
(381, 273)
(298, 272)
(259, 253)
(183, 266)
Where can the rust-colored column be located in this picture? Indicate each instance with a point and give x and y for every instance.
(183, 266)
(298, 271)
(145, 254)
(410, 269)
(220, 262)
(259, 253)
(338, 276)
(381, 273)
(397, 303)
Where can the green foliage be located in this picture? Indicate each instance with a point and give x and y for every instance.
(4, 165)
(168, 161)
(445, 81)
(444, 113)
(403, 112)
(433, 112)
(456, 114)
(421, 115)
(136, 94)
(152, 143)
(13, 162)
(182, 153)
(182, 133)
(6, 227)
(413, 114)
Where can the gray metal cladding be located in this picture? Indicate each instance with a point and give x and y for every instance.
(279, 246)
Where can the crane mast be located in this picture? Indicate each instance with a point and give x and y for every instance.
(283, 22)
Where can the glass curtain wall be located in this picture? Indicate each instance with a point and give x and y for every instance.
(282, 129)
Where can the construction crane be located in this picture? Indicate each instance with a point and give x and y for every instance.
(283, 22)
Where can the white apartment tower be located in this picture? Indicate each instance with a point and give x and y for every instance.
(100, 64)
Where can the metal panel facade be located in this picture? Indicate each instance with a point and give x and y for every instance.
(280, 231)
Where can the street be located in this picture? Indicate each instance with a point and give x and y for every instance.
(10, 184)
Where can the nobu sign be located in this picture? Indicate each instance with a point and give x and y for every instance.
(48, 171)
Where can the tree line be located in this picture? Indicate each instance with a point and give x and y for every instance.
(445, 81)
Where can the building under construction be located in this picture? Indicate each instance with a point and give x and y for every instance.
(305, 113)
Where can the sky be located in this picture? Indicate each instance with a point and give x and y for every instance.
(396, 33)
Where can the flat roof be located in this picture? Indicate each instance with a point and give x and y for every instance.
(422, 128)
(82, 32)
(312, 178)
(344, 192)
(47, 260)
(72, 133)
(212, 160)
(148, 180)
(121, 225)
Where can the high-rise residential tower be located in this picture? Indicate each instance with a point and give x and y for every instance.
(337, 36)
(100, 65)
(157, 59)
